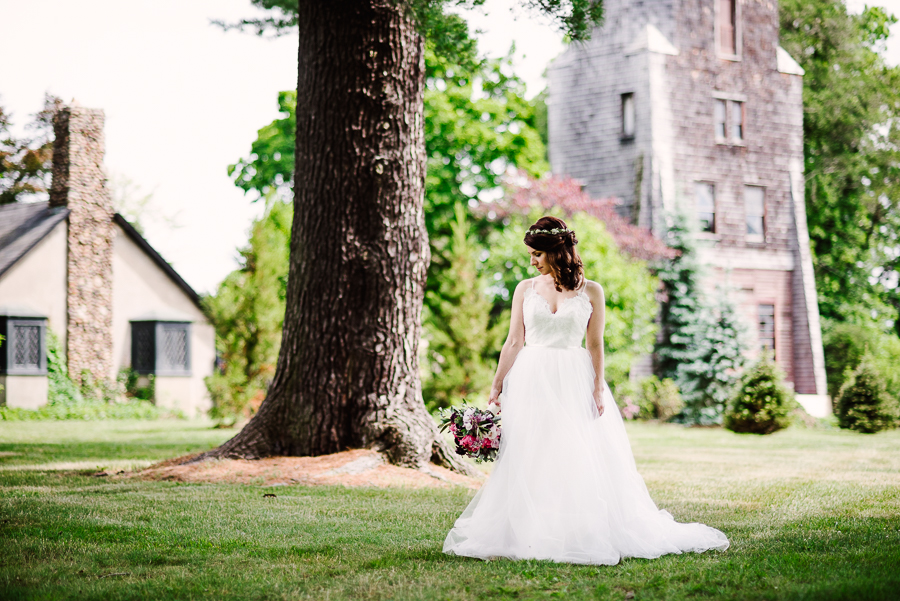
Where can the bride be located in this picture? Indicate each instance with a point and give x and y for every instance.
(565, 486)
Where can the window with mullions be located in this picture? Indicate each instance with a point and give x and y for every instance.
(705, 194)
(729, 121)
(24, 350)
(162, 348)
(755, 209)
(766, 327)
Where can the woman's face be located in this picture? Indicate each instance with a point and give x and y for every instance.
(538, 260)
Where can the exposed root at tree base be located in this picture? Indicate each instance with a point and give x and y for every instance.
(361, 467)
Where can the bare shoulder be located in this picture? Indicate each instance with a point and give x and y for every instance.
(524, 284)
(594, 291)
(521, 287)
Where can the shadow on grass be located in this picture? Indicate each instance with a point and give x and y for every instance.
(50, 455)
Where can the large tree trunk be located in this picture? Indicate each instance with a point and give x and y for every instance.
(347, 374)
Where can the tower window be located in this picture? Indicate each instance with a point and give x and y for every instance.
(628, 115)
(729, 120)
(706, 206)
(755, 209)
(727, 22)
(737, 120)
(720, 114)
(766, 327)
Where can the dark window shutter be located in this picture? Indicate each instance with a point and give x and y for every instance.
(161, 347)
(143, 347)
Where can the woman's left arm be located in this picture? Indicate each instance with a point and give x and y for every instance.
(594, 339)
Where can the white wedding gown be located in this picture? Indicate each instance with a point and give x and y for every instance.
(565, 486)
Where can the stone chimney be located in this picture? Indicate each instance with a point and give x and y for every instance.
(79, 184)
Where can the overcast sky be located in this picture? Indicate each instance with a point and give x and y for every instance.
(184, 99)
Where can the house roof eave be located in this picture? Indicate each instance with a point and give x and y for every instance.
(142, 243)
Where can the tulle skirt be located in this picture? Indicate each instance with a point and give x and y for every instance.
(565, 486)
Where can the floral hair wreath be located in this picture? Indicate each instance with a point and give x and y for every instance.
(553, 232)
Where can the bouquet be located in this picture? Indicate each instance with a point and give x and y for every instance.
(476, 432)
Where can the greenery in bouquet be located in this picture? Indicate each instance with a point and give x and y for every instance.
(475, 431)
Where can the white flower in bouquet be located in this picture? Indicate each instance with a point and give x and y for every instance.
(467, 418)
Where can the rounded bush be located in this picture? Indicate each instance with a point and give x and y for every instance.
(649, 398)
(762, 403)
(863, 403)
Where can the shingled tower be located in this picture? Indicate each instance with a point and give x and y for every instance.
(692, 104)
(79, 183)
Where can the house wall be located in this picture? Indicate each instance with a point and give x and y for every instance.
(24, 392)
(37, 282)
(141, 290)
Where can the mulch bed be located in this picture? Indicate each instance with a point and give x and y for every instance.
(361, 467)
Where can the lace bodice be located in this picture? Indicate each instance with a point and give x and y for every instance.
(562, 329)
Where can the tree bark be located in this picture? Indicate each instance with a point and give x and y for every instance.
(347, 374)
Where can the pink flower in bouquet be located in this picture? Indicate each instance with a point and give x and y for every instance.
(453, 428)
(469, 443)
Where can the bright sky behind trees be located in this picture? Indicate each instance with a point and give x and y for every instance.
(184, 99)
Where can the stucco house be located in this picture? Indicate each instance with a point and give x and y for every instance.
(692, 105)
(75, 267)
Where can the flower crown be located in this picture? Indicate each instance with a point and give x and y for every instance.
(553, 232)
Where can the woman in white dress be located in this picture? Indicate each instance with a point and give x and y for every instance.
(565, 486)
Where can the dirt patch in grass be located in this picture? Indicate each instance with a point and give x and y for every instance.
(361, 467)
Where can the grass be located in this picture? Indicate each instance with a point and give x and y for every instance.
(812, 514)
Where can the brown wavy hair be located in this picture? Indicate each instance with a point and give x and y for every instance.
(565, 264)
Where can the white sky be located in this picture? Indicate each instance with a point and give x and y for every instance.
(184, 99)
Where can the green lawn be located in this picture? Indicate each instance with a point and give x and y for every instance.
(812, 514)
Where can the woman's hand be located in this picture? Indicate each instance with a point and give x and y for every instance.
(598, 397)
(495, 396)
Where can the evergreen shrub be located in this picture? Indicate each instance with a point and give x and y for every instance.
(762, 403)
(863, 403)
(846, 343)
(703, 338)
(461, 342)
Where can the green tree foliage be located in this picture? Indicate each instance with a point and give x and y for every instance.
(575, 18)
(248, 314)
(25, 162)
(703, 340)
(863, 403)
(762, 403)
(630, 288)
(649, 398)
(478, 125)
(462, 343)
(270, 167)
(851, 118)
(845, 345)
